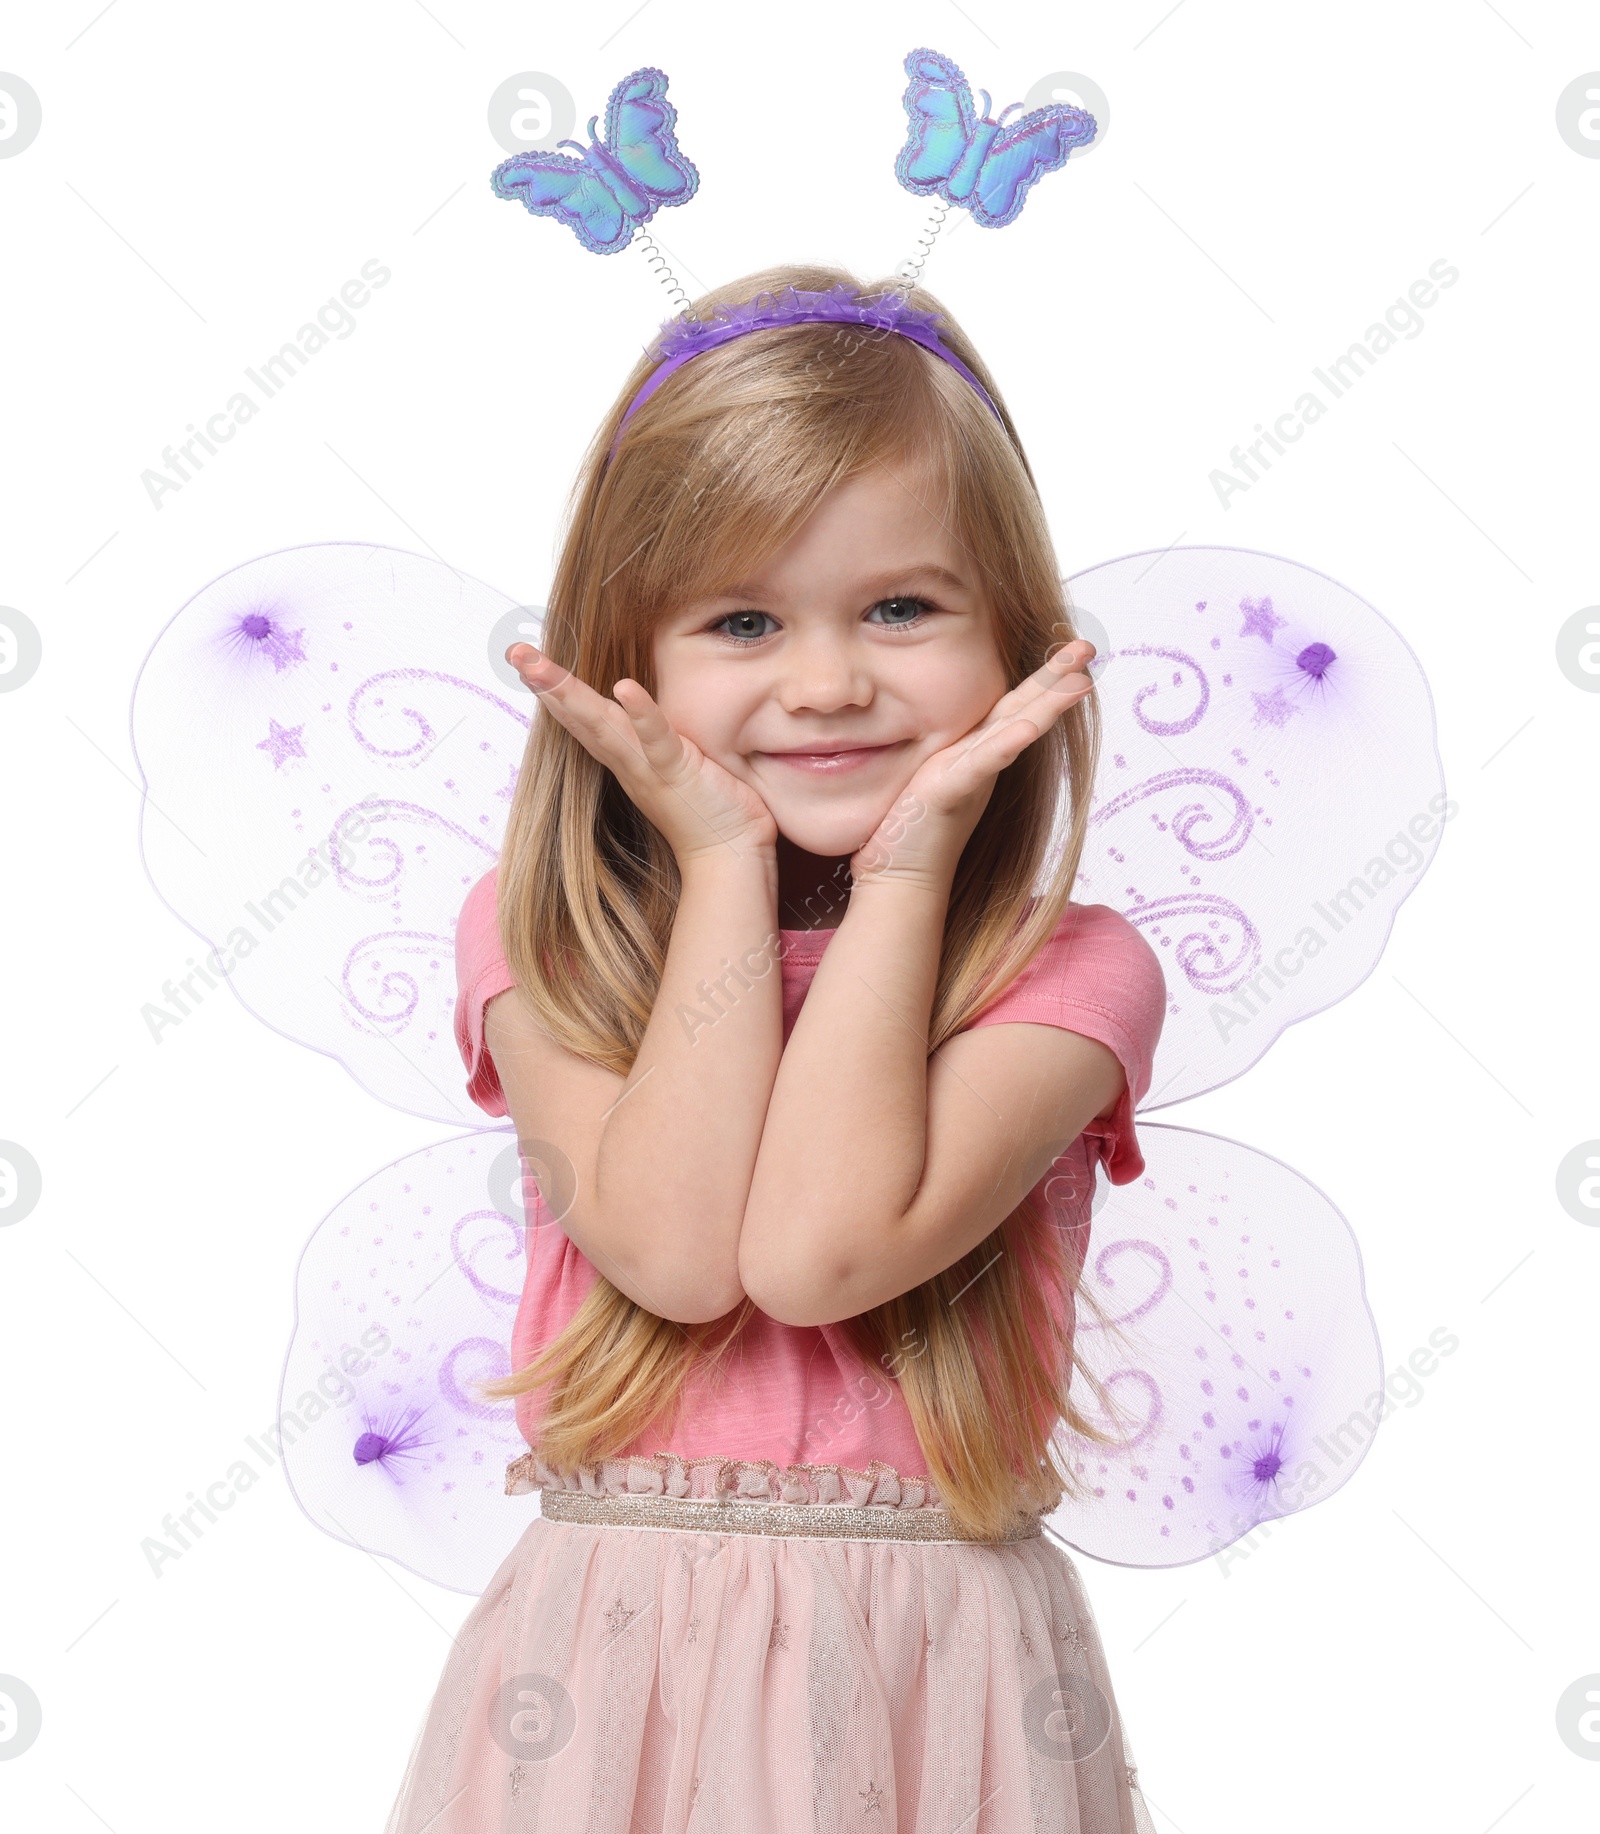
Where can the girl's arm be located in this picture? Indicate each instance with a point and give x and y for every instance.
(876, 1172)
(879, 1166)
(662, 1158)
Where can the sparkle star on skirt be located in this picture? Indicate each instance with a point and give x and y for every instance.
(641, 1680)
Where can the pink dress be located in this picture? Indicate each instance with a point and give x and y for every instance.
(630, 1679)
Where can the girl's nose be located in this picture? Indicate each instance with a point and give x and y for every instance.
(823, 678)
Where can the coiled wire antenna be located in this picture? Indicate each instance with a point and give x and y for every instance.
(662, 270)
(909, 271)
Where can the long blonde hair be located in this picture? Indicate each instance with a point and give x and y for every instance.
(715, 471)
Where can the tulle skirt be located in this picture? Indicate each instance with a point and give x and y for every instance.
(627, 1679)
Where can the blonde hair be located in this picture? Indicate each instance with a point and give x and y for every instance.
(714, 472)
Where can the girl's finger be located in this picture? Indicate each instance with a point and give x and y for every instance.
(1038, 716)
(1063, 671)
(600, 725)
(657, 737)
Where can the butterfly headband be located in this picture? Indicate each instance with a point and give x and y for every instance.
(607, 195)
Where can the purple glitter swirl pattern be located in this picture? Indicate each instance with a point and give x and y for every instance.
(483, 1243)
(1166, 729)
(1200, 954)
(395, 984)
(489, 1351)
(360, 717)
(376, 808)
(1191, 815)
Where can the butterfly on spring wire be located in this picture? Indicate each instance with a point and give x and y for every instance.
(970, 160)
(617, 183)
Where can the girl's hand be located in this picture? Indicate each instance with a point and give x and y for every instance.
(699, 807)
(922, 836)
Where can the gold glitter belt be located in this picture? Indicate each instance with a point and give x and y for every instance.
(744, 1516)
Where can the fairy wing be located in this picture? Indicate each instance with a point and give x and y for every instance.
(405, 1298)
(1239, 1355)
(328, 758)
(1270, 791)
(328, 749)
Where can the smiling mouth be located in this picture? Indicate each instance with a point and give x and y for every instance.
(830, 763)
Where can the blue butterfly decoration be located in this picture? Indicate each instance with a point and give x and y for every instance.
(617, 183)
(970, 160)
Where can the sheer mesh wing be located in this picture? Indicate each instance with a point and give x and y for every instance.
(1270, 791)
(328, 758)
(404, 1300)
(1238, 1351)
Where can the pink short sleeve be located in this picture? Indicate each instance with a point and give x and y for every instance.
(481, 973)
(1097, 975)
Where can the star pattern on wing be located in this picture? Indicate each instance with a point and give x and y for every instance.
(282, 743)
(1260, 620)
(1274, 709)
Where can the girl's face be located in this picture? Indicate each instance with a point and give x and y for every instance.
(861, 647)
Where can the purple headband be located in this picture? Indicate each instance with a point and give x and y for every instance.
(684, 339)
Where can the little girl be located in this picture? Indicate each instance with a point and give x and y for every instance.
(779, 981)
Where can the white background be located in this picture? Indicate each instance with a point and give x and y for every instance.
(1271, 180)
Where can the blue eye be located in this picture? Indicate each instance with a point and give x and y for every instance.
(727, 629)
(746, 641)
(909, 613)
(920, 606)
